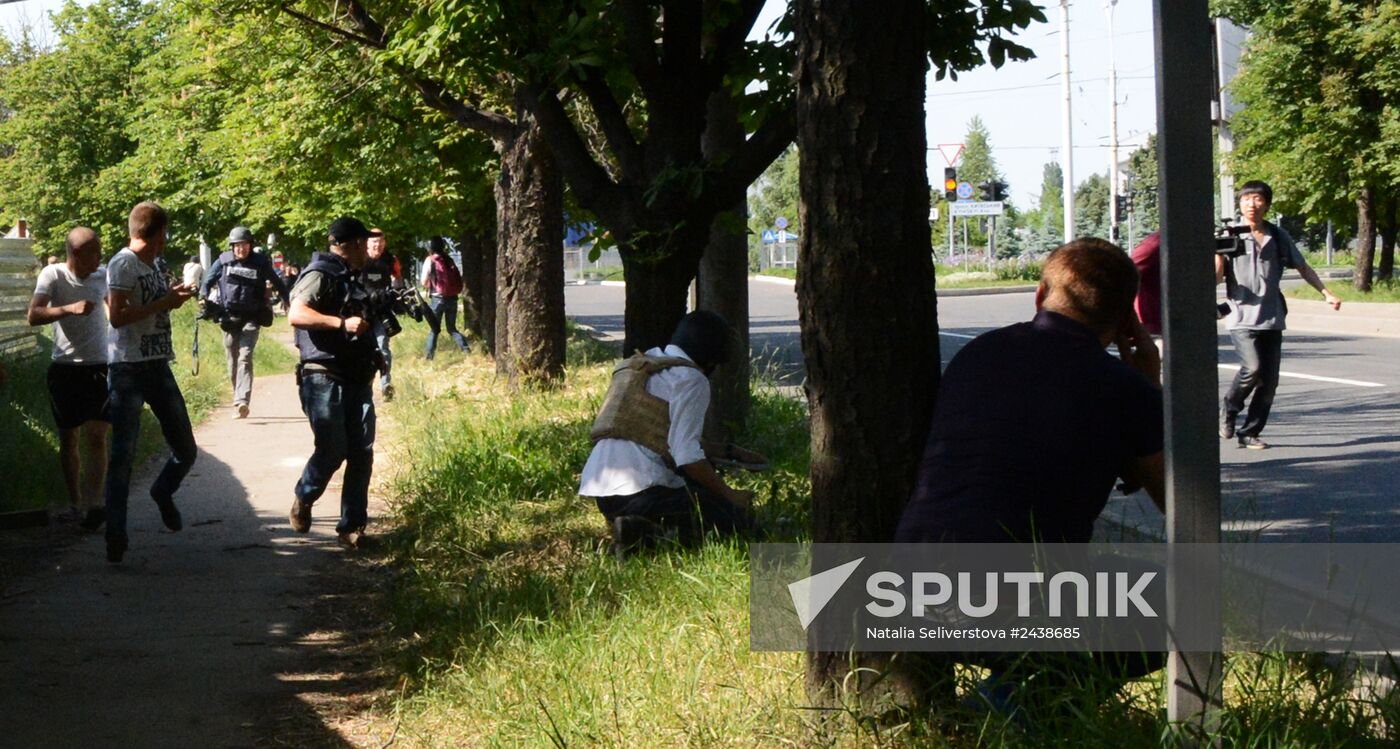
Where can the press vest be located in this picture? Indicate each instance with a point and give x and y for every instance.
(334, 350)
(241, 287)
(378, 273)
(630, 413)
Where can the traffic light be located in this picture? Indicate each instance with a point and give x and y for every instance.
(999, 190)
(950, 184)
(986, 190)
(1122, 201)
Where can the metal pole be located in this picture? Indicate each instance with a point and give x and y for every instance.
(1112, 129)
(1184, 90)
(1226, 138)
(1066, 137)
(952, 233)
(1331, 240)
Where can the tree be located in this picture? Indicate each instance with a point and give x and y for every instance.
(865, 277)
(1047, 221)
(1318, 87)
(775, 194)
(1142, 190)
(976, 167)
(1091, 207)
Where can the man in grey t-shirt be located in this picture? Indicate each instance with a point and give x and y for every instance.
(1257, 311)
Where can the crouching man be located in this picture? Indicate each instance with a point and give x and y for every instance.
(649, 472)
(336, 376)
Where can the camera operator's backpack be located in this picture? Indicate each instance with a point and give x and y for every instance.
(630, 413)
(447, 280)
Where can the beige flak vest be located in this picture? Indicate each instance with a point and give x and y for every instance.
(630, 413)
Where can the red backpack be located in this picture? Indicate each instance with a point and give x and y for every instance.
(447, 280)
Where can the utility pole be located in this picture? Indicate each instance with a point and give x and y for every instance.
(1066, 137)
(1112, 129)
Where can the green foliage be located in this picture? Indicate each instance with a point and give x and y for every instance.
(1142, 190)
(774, 194)
(1091, 207)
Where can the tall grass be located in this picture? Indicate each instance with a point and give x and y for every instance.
(513, 625)
(29, 439)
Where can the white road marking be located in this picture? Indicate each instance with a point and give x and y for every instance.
(1315, 378)
(957, 335)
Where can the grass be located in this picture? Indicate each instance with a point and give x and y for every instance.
(29, 440)
(512, 625)
(1381, 291)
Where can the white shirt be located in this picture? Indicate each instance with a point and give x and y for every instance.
(148, 338)
(622, 467)
(77, 339)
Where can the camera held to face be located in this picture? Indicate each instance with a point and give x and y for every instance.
(1229, 238)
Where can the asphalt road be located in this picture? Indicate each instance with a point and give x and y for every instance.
(1333, 470)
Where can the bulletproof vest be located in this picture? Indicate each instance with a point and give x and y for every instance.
(630, 413)
(378, 273)
(241, 289)
(353, 358)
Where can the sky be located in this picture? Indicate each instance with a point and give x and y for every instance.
(1019, 103)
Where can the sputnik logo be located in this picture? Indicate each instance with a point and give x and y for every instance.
(811, 594)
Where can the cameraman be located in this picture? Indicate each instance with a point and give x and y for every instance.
(382, 272)
(1257, 311)
(336, 376)
(242, 276)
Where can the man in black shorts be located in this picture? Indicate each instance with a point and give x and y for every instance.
(70, 296)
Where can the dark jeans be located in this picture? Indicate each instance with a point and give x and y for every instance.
(1260, 352)
(129, 385)
(691, 510)
(342, 422)
(444, 309)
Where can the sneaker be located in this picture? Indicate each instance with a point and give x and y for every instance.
(350, 539)
(1227, 425)
(388, 393)
(1251, 442)
(67, 516)
(300, 516)
(94, 519)
(116, 547)
(242, 412)
(169, 514)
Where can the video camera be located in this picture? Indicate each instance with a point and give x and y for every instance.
(383, 306)
(1229, 238)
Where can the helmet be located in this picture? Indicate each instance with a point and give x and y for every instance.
(240, 234)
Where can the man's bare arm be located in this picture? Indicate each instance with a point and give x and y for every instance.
(301, 315)
(704, 474)
(1314, 281)
(40, 313)
(122, 312)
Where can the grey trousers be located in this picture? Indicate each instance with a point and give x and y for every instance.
(239, 348)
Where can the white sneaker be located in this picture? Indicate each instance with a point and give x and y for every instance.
(242, 412)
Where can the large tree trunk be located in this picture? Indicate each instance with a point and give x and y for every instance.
(865, 273)
(1365, 239)
(505, 223)
(1385, 269)
(656, 295)
(478, 252)
(722, 285)
(530, 274)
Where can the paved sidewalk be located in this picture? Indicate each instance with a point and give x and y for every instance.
(189, 642)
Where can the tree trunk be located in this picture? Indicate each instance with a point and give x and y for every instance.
(656, 295)
(505, 224)
(1385, 269)
(865, 274)
(530, 281)
(723, 281)
(1365, 239)
(478, 250)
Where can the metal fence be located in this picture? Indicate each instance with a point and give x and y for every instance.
(777, 255)
(579, 269)
(17, 338)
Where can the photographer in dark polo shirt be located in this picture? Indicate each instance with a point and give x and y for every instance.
(1036, 421)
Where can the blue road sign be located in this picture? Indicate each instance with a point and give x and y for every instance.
(781, 223)
(769, 237)
(964, 190)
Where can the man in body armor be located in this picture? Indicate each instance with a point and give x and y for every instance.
(335, 377)
(382, 272)
(649, 471)
(242, 277)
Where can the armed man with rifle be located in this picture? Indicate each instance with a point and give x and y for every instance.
(242, 308)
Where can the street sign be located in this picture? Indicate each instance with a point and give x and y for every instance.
(976, 208)
(781, 223)
(964, 190)
(955, 149)
(782, 236)
(769, 237)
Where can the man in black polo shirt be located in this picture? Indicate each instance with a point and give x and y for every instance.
(1036, 421)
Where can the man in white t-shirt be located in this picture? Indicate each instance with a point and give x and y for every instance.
(139, 300)
(71, 296)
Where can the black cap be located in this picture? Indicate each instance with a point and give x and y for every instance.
(346, 229)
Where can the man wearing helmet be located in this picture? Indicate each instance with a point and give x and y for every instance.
(242, 277)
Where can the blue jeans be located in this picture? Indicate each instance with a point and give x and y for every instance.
(342, 422)
(129, 385)
(444, 310)
(1261, 354)
(382, 340)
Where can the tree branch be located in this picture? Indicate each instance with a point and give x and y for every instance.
(761, 149)
(729, 41)
(589, 181)
(493, 124)
(332, 28)
(612, 120)
(638, 33)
